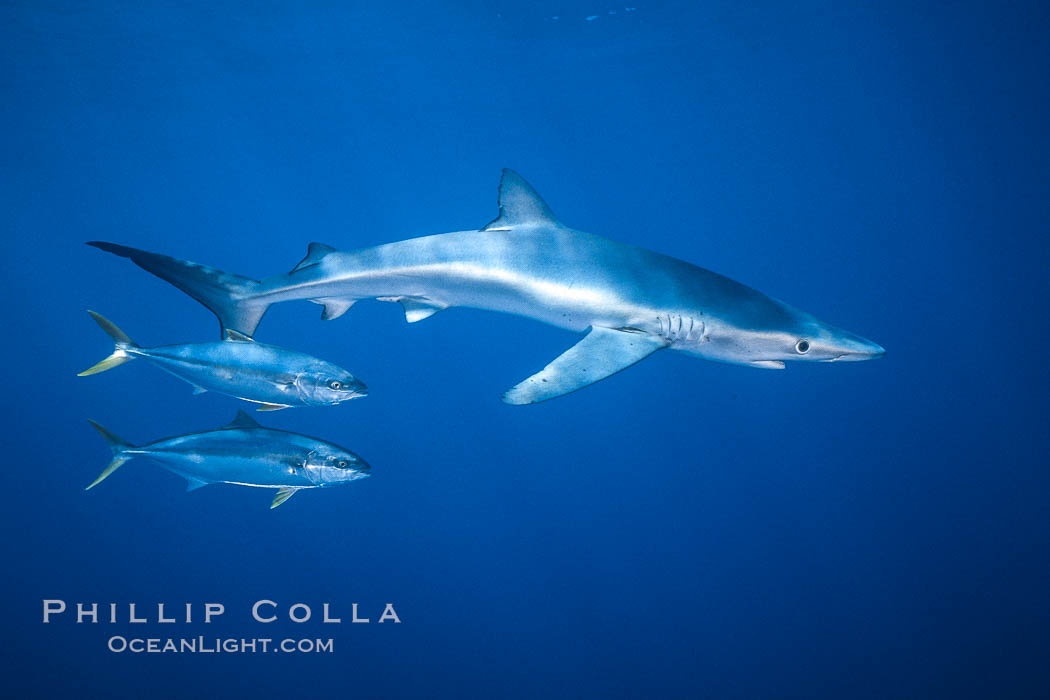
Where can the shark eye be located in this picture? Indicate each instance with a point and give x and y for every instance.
(802, 347)
(334, 384)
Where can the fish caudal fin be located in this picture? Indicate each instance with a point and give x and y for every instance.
(119, 355)
(230, 297)
(118, 446)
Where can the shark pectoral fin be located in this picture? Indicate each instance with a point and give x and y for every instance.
(416, 308)
(602, 352)
(334, 307)
(193, 483)
(282, 496)
(272, 407)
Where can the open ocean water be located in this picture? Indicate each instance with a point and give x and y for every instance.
(682, 529)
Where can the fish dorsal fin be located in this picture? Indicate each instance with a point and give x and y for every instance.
(519, 205)
(230, 334)
(314, 254)
(241, 420)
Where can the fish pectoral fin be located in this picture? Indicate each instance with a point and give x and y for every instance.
(272, 407)
(417, 308)
(193, 483)
(334, 307)
(282, 496)
(199, 390)
(601, 353)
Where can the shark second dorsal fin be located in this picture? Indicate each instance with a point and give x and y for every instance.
(230, 334)
(314, 254)
(242, 420)
(519, 205)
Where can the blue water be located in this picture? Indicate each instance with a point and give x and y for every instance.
(683, 529)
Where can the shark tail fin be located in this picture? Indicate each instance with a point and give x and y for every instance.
(119, 447)
(230, 297)
(120, 353)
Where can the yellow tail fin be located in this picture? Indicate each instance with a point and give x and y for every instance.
(118, 358)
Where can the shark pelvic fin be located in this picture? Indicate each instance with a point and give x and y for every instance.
(242, 420)
(282, 496)
(416, 308)
(314, 254)
(519, 205)
(601, 353)
(333, 307)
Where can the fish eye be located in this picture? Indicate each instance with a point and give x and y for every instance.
(334, 384)
(342, 464)
(802, 347)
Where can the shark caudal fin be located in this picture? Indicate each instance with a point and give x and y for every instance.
(229, 296)
(120, 353)
(118, 445)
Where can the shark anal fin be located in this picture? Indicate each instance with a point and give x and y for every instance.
(417, 308)
(272, 407)
(601, 353)
(282, 496)
(334, 307)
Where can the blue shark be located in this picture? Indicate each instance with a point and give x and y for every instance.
(240, 367)
(631, 302)
(244, 453)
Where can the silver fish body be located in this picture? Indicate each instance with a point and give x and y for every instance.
(246, 454)
(239, 367)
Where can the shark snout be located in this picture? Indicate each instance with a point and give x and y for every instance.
(853, 348)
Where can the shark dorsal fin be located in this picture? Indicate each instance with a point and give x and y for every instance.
(230, 334)
(519, 205)
(241, 420)
(314, 254)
